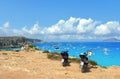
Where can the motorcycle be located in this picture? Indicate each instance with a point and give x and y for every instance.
(64, 62)
(83, 62)
(64, 56)
(83, 66)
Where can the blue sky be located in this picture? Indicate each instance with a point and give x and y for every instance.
(61, 20)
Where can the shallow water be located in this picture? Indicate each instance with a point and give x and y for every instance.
(10, 48)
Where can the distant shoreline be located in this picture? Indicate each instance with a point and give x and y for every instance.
(16, 41)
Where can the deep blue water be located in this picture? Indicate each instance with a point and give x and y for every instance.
(104, 53)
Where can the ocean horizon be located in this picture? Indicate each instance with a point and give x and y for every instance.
(104, 53)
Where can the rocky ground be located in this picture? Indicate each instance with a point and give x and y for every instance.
(36, 65)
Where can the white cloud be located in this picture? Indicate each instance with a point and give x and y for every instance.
(102, 30)
(63, 27)
(111, 27)
(53, 30)
(6, 25)
(85, 25)
(35, 29)
(73, 29)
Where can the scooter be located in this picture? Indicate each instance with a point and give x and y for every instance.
(83, 62)
(83, 66)
(64, 62)
(64, 59)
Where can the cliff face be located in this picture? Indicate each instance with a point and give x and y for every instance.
(16, 41)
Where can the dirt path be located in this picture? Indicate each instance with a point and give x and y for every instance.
(35, 65)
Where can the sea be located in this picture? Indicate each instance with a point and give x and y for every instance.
(10, 48)
(104, 53)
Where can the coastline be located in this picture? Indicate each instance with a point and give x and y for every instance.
(102, 51)
(34, 64)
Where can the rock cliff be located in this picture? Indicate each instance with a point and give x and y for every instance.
(16, 41)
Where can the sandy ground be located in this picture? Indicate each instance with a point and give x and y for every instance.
(35, 65)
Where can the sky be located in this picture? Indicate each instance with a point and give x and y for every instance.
(61, 20)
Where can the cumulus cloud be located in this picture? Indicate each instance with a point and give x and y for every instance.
(111, 27)
(73, 29)
(4, 31)
(34, 30)
(102, 30)
(85, 25)
(63, 27)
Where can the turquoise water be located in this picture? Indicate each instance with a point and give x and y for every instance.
(104, 53)
(10, 48)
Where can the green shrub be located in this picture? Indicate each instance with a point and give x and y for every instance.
(31, 46)
(45, 51)
(93, 62)
(104, 67)
(54, 56)
(72, 59)
(77, 60)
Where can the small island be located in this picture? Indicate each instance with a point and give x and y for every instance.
(111, 40)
